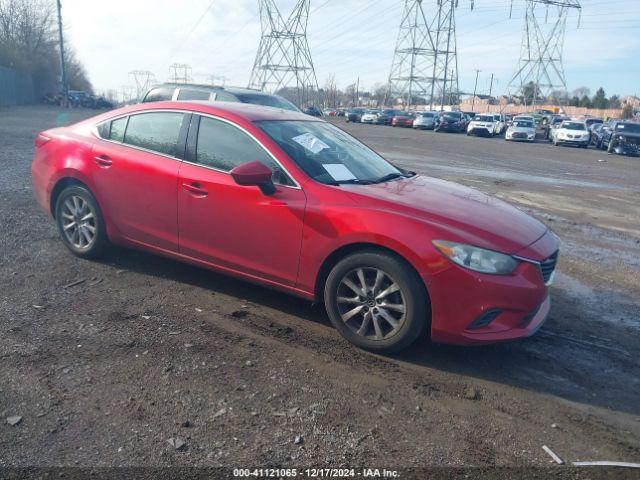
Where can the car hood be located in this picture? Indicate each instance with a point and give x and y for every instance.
(456, 212)
(627, 134)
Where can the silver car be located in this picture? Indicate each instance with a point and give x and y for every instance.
(521, 129)
(425, 120)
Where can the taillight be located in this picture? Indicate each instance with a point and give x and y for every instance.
(41, 140)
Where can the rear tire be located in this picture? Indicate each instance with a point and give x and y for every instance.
(80, 222)
(376, 301)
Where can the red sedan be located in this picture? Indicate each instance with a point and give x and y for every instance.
(292, 202)
(405, 120)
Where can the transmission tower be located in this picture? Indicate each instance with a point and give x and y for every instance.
(143, 79)
(425, 62)
(540, 62)
(180, 73)
(283, 57)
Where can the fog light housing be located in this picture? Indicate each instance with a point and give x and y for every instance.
(484, 319)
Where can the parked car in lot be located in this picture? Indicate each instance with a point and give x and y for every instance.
(591, 121)
(451, 122)
(425, 120)
(571, 132)
(403, 120)
(482, 125)
(209, 93)
(294, 203)
(386, 116)
(370, 116)
(521, 129)
(596, 131)
(354, 115)
(622, 137)
(501, 123)
(313, 111)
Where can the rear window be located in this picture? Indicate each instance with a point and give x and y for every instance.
(156, 131)
(190, 94)
(160, 94)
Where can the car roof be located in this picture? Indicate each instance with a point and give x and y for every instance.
(231, 110)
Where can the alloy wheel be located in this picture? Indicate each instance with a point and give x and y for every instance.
(78, 222)
(371, 303)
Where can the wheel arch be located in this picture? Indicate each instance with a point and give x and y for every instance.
(60, 185)
(334, 257)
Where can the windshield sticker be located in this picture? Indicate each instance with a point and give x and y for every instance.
(311, 143)
(339, 172)
(620, 127)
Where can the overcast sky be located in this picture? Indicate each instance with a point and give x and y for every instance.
(348, 38)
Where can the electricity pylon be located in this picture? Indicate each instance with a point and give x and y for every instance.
(540, 67)
(425, 62)
(180, 73)
(143, 79)
(283, 56)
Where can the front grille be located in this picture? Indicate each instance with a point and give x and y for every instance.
(548, 266)
(519, 135)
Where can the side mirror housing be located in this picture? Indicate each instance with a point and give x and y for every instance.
(254, 174)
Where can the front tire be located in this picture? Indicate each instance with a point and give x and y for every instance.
(376, 301)
(80, 222)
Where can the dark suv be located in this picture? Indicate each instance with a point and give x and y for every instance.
(621, 137)
(190, 91)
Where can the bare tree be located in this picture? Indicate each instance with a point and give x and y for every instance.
(29, 44)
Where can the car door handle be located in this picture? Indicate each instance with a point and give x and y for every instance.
(195, 189)
(103, 160)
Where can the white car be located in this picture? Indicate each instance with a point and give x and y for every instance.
(521, 129)
(572, 132)
(425, 120)
(500, 123)
(482, 124)
(370, 116)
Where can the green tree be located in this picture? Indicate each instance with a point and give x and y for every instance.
(614, 101)
(600, 99)
(585, 102)
(574, 102)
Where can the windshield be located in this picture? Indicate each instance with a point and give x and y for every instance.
(453, 115)
(523, 123)
(267, 101)
(427, 115)
(327, 154)
(483, 118)
(628, 127)
(574, 126)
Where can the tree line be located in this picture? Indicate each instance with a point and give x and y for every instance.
(29, 44)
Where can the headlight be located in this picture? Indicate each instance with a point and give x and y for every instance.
(477, 259)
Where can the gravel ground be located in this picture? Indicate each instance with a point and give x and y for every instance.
(106, 361)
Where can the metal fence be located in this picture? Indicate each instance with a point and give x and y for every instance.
(16, 88)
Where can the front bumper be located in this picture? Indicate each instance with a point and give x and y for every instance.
(450, 127)
(572, 141)
(517, 304)
(520, 138)
(480, 131)
(627, 149)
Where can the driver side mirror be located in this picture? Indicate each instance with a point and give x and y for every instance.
(254, 174)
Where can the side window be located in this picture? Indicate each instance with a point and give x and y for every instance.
(188, 94)
(223, 96)
(224, 147)
(113, 130)
(117, 129)
(159, 94)
(157, 131)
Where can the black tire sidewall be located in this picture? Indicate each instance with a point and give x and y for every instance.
(101, 240)
(410, 284)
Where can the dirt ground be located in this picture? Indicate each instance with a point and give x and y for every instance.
(106, 361)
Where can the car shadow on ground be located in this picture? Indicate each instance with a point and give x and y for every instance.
(549, 362)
